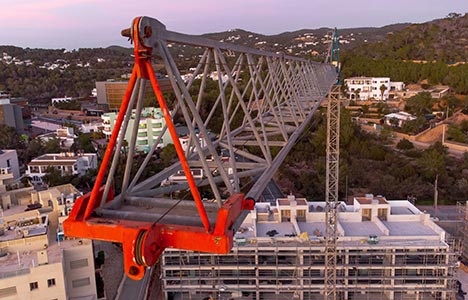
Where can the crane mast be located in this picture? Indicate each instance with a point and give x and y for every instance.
(332, 177)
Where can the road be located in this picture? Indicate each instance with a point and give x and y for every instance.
(133, 289)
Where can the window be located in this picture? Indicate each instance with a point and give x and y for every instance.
(9, 291)
(51, 282)
(81, 282)
(8, 163)
(81, 263)
(33, 286)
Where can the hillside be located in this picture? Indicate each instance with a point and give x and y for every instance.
(306, 41)
(443, 40)
(436, 52)
(385, 51)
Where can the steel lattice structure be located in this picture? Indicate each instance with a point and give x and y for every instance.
(264, 101)
(331, 192)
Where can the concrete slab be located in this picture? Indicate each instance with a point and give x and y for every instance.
(401, 210)
(312, 228)
(364, 228)
(409, 229)
(283, 229)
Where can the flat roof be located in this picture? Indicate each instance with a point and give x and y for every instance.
(283, 229)
(366, 200)
(286, 202)
(409, 229)
(401, 210)
(15, 263)
(364, 228)
(312, 228)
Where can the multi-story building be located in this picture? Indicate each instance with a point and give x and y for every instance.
(11, 115)
(67, 162)
(9, 163)
(36, 264)
(111, 93)
(150, 127)
(386, 250)
(371, 88)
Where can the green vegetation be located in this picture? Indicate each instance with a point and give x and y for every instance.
(458, 133)
(76, 80)
(372, 167)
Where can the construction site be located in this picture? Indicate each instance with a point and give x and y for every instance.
(386, 250)
(230, 245)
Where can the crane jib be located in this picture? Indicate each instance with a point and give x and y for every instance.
(231, 116)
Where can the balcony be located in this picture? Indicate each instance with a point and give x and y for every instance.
(6, 171)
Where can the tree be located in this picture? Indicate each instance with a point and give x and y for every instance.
(10, 139)
(357, 93)
(455, 133)
(52, 146)
(168, 154)
(420, 104)
(54, 177)
(382, 88)
(404, 144)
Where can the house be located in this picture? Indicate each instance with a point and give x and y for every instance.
(368, 88)
(68, 163)
(9, 163)
(64, 134)
(398, 119)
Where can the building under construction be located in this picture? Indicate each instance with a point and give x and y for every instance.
(386, 250)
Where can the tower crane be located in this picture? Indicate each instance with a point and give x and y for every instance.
(242, 109)
(332, 176)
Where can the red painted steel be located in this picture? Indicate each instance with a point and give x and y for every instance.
(144, 242)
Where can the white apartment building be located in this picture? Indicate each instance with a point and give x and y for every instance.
(35, 264)
(369, 88)
(386, 250)
(68, 163)
(149, 128)
(9, 163)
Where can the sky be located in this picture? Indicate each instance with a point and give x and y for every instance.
(73, 24)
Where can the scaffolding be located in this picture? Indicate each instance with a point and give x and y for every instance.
(295, 270)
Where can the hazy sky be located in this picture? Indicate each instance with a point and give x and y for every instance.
(97, 23)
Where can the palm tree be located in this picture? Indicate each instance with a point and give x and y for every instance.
(383, 88)
(357, 92)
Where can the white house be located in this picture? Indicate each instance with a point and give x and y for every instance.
(67, 163)
(398, 119)
(65, 135)
(369, 88)
(91, 127)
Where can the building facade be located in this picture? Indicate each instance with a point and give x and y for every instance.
(67, 162)
(9, 163)
(150, 127)
(386, 250)
(110, 93)
(371, 88)
(11, 115)
(35, 264)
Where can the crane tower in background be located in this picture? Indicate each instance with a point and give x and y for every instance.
(332, 175)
